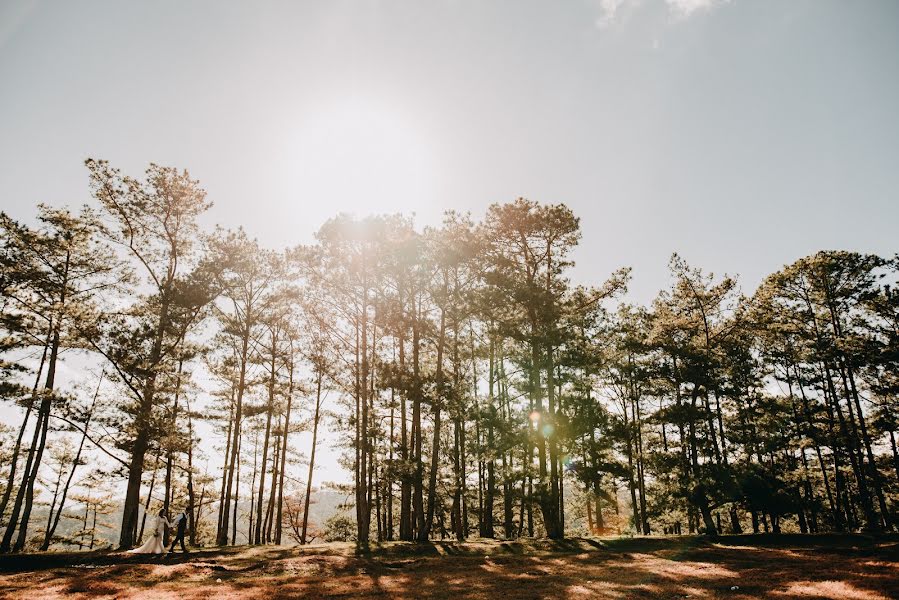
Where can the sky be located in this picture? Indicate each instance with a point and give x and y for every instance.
(742, 134)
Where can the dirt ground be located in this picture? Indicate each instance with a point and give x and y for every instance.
(738, 567)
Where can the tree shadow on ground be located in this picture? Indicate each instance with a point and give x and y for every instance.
(835, 568)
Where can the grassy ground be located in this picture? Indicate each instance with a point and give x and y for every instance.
(737, 567)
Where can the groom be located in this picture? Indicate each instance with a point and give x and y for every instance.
(180, 524)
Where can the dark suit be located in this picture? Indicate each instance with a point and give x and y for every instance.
(179, 535)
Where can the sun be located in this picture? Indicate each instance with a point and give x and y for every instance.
(361, 156)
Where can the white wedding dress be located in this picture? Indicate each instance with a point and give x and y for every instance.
(153, 545)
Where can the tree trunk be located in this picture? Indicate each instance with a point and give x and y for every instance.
(53, 521)
(810, 432)
(257, 535)
(700, 499)
(237, 498)
(25, 494)
(149, 496)
(280, 510)
(235, 430)
(170, 454)
(273, 487)
(406, 527)
(14, 460)
(418, 481)
(315, 419)
(490, 491)
(363, 504)
(142, 424)
(425, 531)
(223, 509)
(26, 488)
(191, 500)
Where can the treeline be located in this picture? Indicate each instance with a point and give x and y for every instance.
(478, 392)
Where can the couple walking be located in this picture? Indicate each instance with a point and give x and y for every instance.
(154, 545)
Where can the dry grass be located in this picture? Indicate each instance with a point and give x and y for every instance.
(850, 567)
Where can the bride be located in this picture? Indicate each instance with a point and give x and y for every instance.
(153, 545)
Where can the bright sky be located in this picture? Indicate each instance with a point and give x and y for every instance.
(742, 134)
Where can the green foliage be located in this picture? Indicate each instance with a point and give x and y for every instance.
(340, 528)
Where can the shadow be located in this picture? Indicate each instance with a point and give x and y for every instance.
(10, 563)
(743, 567)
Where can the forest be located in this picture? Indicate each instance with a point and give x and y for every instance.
(477, 391)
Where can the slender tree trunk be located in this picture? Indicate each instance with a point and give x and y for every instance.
(363, 504)
(631, 483)
(233, 513)
(845, 368)
(87, 514)
(638, 443)
(491, 447)
(254, 500)
(872, 463)
(53, 520)
(238, 415)
(14, 459)
(191, 499)
(13, 522)
(52, 511)
(700, 499)
(388, 485)
(425, 531)
(278, 524)
(315, 419)
(418, 481)
(170, 454)
(143, 521)
(810, 432)
(456, 510)
(26, 488)
(93, 529)
(597, 488)
(257, 535)
(406, 526)
(873, 522)
(25, 494)
(273, 487)
(553, 520)
(223, 509)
